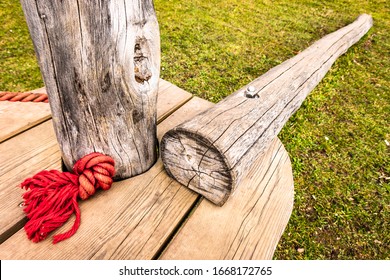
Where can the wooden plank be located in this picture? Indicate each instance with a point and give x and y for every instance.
(250, 224)
(130, 221)
(175, 94)
(21, 157)
(213, 151)
(163, 85)
(16, 117)
(36, 149)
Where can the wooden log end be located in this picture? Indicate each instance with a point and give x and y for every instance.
(195, 162)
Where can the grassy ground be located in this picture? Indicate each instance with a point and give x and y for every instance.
(336, 141)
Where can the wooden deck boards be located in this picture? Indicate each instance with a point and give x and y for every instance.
(151, 215)
(36, 149)
(21, 157)
(135, 217)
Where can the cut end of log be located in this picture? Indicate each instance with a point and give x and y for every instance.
(195, 163)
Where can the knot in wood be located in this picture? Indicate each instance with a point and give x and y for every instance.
(142, 66)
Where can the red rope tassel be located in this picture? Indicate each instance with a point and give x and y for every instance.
(51, 196)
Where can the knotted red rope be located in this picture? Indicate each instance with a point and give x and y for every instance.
(23, 96)
(52, 195)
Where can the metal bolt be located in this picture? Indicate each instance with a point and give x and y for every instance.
(251, 88)
(250, 92)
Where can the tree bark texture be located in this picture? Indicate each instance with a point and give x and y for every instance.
(211, 153)
(100, 62)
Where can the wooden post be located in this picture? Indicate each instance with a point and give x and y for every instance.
(100, 61)
(211, 153)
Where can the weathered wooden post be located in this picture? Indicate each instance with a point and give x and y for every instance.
(100, 61)
(212, 152)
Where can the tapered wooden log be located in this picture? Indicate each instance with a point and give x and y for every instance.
(100, 61)
(211, 153)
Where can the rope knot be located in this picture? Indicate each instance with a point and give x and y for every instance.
(51, 196)
(95, 171)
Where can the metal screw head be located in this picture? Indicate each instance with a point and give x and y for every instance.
(250, 92)
(251, 89)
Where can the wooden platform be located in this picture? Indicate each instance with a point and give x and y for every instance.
(149, 216)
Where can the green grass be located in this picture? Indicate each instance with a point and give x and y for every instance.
(336, 140)
(19, 70)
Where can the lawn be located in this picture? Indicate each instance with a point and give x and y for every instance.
(338, 140)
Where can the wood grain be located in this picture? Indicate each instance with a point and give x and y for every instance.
(212, 152)
(250, 225)
(130, 221)
(36, 149)
(100, 62)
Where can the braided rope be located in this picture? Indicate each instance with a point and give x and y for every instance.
(23, 96)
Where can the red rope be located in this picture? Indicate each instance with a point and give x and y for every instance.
(23, 96)
(51, 196)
